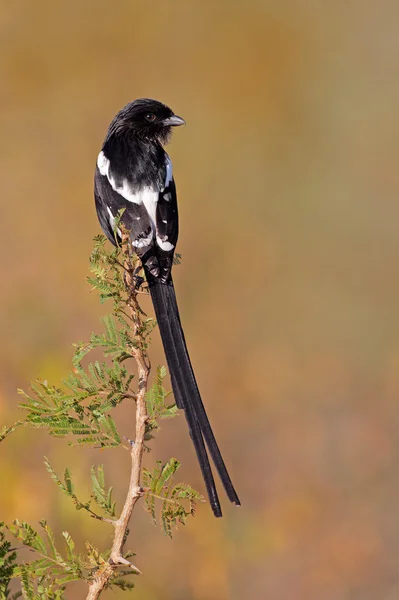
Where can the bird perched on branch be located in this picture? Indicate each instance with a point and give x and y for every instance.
(134, 173)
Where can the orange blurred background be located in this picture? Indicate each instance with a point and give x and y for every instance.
(288, 191)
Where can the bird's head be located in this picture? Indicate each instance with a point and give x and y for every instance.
(147, 119)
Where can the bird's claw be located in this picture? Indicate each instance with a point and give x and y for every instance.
(134, 280)
(138, 281)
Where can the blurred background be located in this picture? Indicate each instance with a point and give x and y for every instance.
(288, 169)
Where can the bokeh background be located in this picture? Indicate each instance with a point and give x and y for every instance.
(288, 187)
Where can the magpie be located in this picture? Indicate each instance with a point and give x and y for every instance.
(134, 173)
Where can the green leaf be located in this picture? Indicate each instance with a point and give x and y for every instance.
(70, 545)
(158, 485)
(67, 487)
(168, 470)
(26, 584)
(123, 584)
(28, 536)
(8, 564)
(101, 496)
(94, 556)
(155, 400)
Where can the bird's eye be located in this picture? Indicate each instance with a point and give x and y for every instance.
(150, 117)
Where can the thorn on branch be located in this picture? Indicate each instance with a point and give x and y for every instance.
(131, 442)
(118, 560)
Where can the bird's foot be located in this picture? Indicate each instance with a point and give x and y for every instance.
(133, 280)
(138, 282)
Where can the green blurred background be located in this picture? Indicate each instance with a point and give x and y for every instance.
(288, 169)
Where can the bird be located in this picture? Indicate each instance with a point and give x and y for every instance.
(134, 173)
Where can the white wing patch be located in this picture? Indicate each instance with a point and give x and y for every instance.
(164, 245)
(143, 241)
(112, 221)
(147, 196)
(103, 165)
(169, 172)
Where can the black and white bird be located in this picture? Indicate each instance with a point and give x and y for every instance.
(135, 173)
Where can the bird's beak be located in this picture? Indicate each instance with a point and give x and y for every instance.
(174, 121)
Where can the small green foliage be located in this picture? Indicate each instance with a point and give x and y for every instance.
(101, 496)
(116, 343)
(8, 564)
(82, 408)
(107, 280)
(66, 486)
(174, 498)
(156, 405)
(123, 584)
(94, 556)
(46, 576)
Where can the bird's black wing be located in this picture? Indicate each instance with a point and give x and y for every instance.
(167, 218)
(135, 217)
(167, 230)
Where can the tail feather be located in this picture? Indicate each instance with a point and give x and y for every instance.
(180, 392)
(199, 406)
(186, 390)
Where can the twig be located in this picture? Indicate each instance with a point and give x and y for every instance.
(7, 430)
(135, 491)
(99, 517)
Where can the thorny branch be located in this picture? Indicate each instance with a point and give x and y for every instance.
(81, 408)
(135, 491)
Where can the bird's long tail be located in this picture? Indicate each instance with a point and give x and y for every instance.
(186, 391)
